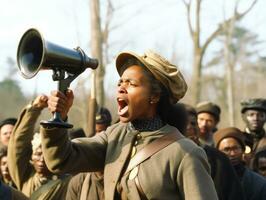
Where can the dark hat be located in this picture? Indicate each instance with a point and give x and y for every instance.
(209, 107)
(11, 121)
(233, 132)
(256, 104)
(103, 116)
(165, 72)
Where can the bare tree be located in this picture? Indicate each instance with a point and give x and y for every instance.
(229, 69)
(199, 47)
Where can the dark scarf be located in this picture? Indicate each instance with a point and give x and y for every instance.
(152, 124)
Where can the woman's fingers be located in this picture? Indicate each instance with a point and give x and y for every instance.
(60, 102)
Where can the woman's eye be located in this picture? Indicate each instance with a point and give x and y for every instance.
(119, 83)
(132, 83)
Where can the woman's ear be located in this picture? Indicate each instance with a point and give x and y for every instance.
(154, 99)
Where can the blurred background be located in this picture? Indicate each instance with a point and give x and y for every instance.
(218, 45)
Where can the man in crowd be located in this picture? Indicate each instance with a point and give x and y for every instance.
(254, 115)
(4, 168)
(25, 159)
(226, 182)
(231, 142)
(86, 186)
(6, 127)
(208, 116)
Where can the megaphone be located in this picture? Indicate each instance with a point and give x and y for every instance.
(35, 54)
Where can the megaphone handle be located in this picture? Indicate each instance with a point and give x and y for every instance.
(57, 121)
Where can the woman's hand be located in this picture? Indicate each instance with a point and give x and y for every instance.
(60, 102)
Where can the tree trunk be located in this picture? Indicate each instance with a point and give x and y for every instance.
(229, 66)
(196, 76)
(199, 47)
(96, 49)
(97, 85)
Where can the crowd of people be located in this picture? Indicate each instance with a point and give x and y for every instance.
(159, 148)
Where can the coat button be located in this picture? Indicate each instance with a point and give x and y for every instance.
(133, 173)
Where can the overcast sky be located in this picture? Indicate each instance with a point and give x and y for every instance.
(150, 24)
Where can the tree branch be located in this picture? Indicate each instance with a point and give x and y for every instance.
(237, 16)
(188, 7)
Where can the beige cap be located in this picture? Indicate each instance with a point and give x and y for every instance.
(165, 72)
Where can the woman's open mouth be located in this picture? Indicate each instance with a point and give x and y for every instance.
(122, 106)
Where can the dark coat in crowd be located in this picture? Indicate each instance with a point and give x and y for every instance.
(9, 193)
(227, 184)
(254, 185)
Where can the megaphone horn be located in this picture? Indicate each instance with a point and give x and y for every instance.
(34, 54)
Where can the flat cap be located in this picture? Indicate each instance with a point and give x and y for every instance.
(233, 132)
(11, 121)
(103, 116)
(256, 104)
(165, 72)
(209, 107)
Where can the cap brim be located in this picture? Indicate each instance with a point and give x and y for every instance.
(252, 108)
(122, 58)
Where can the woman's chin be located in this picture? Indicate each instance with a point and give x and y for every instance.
(124, 119)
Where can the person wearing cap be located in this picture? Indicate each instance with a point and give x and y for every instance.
(148, 88)
(26, 164)
(208, 116)
(225, 179)
(231, 141)
(86, 186)
(103, 119)
(254, 115)
(6, 127)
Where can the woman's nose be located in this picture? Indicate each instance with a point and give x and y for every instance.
(122, 89)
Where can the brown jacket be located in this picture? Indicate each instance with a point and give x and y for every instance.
(19, 156)
(179, 171)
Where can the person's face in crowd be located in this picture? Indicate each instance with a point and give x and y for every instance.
(4, 168)
(231, 147)
(262, 166)
(192, 130)
(134, 95)
(5, 133)
(38, 162)
(254, 119)
(100, 127)
(206, 123)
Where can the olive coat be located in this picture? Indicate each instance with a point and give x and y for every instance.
(179, 171)
(19, 155)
